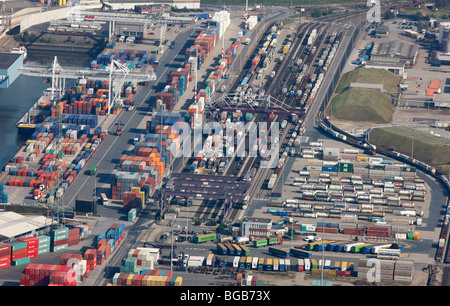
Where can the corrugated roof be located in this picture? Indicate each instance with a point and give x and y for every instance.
(395, 48)
(13, 224)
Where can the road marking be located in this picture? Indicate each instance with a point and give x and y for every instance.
(134, 114)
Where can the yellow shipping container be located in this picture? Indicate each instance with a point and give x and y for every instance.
(364, 159)
(179, 281)
(129, 278)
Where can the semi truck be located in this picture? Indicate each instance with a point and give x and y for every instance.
(278, 252)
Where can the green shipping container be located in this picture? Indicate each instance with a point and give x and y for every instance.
(132, 215)
(21, 261)
(408, 169)
(204, 238)
(58, 248)
(18, 246)
(273, 240)
(345, 167)
(261, 242)
(411, 235)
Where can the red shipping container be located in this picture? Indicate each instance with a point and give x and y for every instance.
(5, 250)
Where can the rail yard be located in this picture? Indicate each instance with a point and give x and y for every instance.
(130, 199)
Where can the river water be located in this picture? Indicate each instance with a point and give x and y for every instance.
(16, 100)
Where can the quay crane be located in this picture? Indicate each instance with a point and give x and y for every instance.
(58, 74)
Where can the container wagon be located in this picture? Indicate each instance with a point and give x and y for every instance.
(307, 264)
(248, 262)
(222, 249)
(210, 259)
(278, 252)
(261, 264)
(230, 249)
(259, 243)
(299, 253)
(322, 246)
(273, 240)
(245, 250)
(359, 248)
(348, 247)
(242, 262)
(282, 265)
(255, 263)
(237, 249)
(300, 265)
(269, 264)
(276, 264)
(205, 238)
(311, 245)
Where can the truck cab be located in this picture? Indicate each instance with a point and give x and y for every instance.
(104, 199)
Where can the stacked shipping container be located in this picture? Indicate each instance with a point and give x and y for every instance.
(149, 278)
(59, 239)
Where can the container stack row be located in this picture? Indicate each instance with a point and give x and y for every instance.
(47, 275)
(59, 239)
(139, 260)
(125, 279)
(21, 251)
(78, 264)
(176, 85)
(144, 170)
(4, 196)
(72, 268)
(107, 242)
(84, 228)
(132, 59)
(87, 97)
(399, 229)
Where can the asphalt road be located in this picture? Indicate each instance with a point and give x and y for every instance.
(106, 157)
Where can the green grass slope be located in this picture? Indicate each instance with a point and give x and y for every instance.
(430, 149)
(368, 105)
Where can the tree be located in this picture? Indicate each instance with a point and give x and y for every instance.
(316, 13)
(221, 228)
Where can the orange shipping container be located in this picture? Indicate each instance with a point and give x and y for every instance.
(434, 84)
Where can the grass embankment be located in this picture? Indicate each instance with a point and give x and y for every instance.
(365, 105)
(389, 80)
(358, 104)
(430, 149)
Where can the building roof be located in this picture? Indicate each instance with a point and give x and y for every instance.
(395, 48)
(258, 220)
(13, 224)
(385, 64)
(7, 59)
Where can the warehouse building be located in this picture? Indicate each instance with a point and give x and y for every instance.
(14, 225)
(391, 51)
(394, 67)
(9, 68)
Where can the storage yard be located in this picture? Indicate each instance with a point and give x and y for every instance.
(126, 208)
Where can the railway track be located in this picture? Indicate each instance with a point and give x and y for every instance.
(287, 77)
(287, 72)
